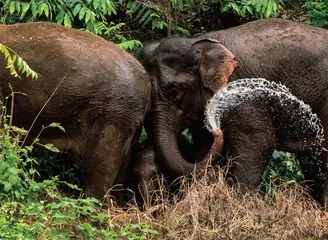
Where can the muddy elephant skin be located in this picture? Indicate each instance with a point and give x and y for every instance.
(185, 73)
(102, 97)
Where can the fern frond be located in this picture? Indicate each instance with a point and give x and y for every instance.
(15, 61)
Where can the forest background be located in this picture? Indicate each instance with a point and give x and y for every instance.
(132, 22)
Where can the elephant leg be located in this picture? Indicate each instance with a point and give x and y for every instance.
(324, 168)
(104, 158)
(312, 170)
(320, 189)
(324, 181)
(249, 142)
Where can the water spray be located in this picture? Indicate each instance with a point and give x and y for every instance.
(277, 99)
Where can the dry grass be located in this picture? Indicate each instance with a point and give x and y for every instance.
(209, 209)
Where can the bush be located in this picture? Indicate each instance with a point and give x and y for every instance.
(283, 170)
(94, 16)
(316, 13)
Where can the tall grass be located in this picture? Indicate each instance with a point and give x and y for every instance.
(209, 209)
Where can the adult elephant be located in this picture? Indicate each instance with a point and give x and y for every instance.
(257, 116)
(185, 73)
(98, 92)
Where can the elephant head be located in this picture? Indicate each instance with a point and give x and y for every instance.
(185, 73)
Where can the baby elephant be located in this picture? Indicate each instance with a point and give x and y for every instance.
(146, 172)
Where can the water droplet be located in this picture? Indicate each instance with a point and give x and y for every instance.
(292, 116)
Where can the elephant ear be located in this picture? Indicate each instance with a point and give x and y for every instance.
(216, 63)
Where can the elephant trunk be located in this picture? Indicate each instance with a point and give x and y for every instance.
(166, 138)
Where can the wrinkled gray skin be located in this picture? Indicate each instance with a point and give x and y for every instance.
(252, 131)
(146, 171)
(101, 101)
(275, 49)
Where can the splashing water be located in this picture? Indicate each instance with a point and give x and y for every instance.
(293, 116)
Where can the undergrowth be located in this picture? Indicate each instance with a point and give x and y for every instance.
(209, 209)
(32, 209)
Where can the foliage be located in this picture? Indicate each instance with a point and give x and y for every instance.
(253, 8)
(13, 59)
(88, 15)
(283, 169)
(36, 210)
(317, 12)
(143, 135)
(94, 16)
(128, 22)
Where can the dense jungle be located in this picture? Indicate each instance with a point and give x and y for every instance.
(43, 193)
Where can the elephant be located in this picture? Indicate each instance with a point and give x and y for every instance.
(186, 72)
(278, 121)
(145, 172)
(149, 173)
(98, 92)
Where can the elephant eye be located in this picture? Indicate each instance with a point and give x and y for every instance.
(178, 95)
(175, 92)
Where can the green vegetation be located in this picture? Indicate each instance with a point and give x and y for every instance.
(32, 203)
(283, 170)
(317, 13)
(130, 22)
(14, 61)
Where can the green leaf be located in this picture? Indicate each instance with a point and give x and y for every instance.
(19, 130)
(63, 233)
(13, 179)
(96, 3)
(293, 181)
(18, 6)
(13, 170)
(102, 217)
(57, 125)
(67, 21)
(82, 12)
(235, 7)
(76, 9)
(12, 7)
(3, 166)
(26, 7)
(61, 216)
(34, 9)
(51, 147)
(87, 16)
(45, 9)
(145, 16)
(7, 186)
